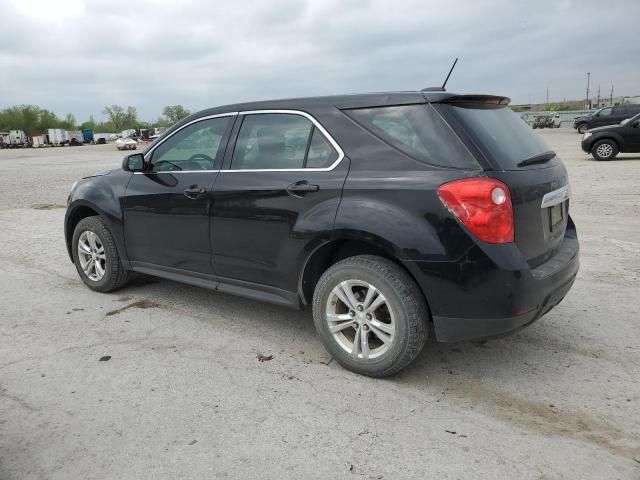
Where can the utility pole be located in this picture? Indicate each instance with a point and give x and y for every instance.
(547, 97)
(598, 103)
(611, 96)
(588, 77)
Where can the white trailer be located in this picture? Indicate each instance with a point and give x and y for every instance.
(58, 137)
(128, 133)
(15, 139)
(75, 137)
(38, 141)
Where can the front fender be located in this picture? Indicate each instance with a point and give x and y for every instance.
(619, 139)
(100, 196)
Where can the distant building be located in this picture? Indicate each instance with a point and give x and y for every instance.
(577, 104)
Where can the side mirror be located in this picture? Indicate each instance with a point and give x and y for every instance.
(133, 163)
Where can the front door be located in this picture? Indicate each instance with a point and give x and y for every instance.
(603, 117)
(632, 135)
(166, 209)
(276, 199)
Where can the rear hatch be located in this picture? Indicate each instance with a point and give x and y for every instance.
(511, 152)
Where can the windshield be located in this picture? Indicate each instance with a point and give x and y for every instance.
(627, 120)
(500, 134)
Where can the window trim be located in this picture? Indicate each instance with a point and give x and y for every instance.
(147, 155)
(315, 123)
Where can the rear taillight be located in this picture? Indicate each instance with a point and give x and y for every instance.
(483, 205)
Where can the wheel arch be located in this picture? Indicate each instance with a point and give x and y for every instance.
(82, 209)
(339, 248)
(611, 137)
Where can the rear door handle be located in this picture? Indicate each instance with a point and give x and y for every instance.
(302, 186)
(194, 192)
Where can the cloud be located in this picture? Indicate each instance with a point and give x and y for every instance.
(79, 55)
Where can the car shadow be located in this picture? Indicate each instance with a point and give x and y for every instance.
(438, 361)
(620, 158)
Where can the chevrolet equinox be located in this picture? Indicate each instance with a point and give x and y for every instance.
(383, 213)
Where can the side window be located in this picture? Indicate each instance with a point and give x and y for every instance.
(418, 131)
(196, 147)
(605, 112)
(321, 153)
(271, 141)
(281, 141)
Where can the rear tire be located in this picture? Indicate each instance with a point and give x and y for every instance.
(370, 315)
(96, 257)
(583, 128)
(604, 150)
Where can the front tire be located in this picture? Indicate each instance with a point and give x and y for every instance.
(604, 150)
(370, 315)
(96, 257)
(583, 128)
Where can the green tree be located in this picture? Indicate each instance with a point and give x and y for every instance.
(558, 107)
(131, 118)
(90, 124)
(69, 122)
(175, 113)
(116, 115)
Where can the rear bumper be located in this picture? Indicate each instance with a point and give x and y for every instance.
(497, 296)
(459, 329)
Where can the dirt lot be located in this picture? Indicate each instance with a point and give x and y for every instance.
(180, 391)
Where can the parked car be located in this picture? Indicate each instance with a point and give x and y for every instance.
(605, 116)
(380, 212)
(604, 143)
(126, 144)
(546, 120)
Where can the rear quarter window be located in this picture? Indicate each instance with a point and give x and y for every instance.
(499, 133)
(418, 131)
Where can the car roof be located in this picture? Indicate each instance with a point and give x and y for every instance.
(340, 101)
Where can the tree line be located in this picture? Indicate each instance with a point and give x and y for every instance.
(32, 119)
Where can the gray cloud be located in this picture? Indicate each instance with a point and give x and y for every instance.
(79, 55)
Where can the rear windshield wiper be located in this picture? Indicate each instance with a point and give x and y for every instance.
(538, 158)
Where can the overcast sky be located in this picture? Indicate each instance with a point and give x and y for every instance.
(80, 55)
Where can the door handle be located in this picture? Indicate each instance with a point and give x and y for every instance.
(194, 192)
(302, 186)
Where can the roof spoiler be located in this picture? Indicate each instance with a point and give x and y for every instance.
(477, 99)
(439, 96)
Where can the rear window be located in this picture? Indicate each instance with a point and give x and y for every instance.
(500, 133)
(417, 130)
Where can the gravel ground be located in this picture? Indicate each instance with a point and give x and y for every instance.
(181, 391)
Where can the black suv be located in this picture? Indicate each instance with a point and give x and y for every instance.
(605, 116)
(381, 212)
(604, 143)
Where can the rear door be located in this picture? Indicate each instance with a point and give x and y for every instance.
(620, 112)
(536, 177)
(166, 209)
(276, 199)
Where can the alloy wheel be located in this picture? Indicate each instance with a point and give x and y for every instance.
(360, 319)
(91, 255)
(604, 150)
